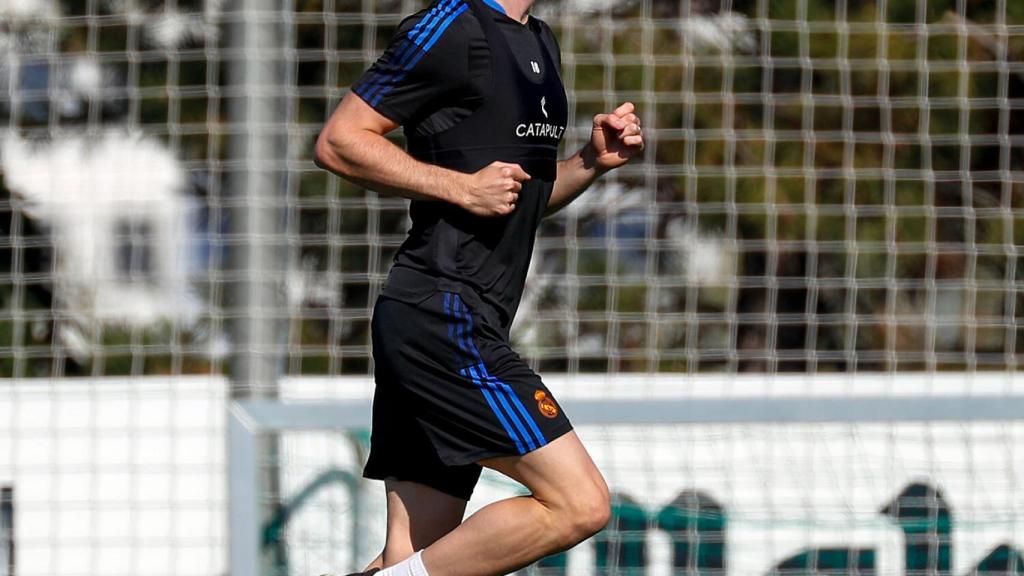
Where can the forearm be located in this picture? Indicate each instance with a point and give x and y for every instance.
(575, 175)
(372, 161)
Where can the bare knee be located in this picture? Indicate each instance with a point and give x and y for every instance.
(595, 513)
(584, 513)
(591, 519)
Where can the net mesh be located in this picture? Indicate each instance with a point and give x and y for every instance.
(730, 498)
(829, 186)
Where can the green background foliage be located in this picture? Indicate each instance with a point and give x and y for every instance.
(861, 164)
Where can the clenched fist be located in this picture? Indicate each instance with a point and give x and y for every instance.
(616, 138)
(494, 190)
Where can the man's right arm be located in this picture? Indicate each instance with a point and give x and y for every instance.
(353, 146)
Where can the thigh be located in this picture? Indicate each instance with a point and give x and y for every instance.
(410, 392)
(459, 380)
(509, 402)
(401, 450)
(561, 473)
(418, 516)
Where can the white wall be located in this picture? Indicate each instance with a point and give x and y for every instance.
(115, 476)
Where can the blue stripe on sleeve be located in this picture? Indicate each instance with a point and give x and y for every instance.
(496, 6)
(417, 39)
(444, 26)
(429, 18)
(428, 21)
(385, 89)
(414, 39)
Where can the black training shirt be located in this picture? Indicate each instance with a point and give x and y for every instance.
(432, 91)
(471, 86)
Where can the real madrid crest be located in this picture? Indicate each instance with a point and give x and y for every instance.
(546, 405)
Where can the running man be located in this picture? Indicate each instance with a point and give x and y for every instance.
(476, 86)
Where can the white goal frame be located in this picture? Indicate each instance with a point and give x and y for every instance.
(762, 399)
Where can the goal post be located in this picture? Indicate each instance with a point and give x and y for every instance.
(954, 433)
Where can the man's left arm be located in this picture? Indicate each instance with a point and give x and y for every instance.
(615, 140)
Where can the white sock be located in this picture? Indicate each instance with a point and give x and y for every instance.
(411, 566)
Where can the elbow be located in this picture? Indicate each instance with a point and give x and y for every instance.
(319, 154)
(327, 157)
(323, 156)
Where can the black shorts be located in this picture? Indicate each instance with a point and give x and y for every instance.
(450, 392)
